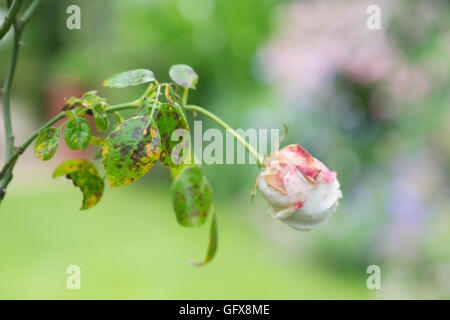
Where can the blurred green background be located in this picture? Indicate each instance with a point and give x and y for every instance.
(371, 104)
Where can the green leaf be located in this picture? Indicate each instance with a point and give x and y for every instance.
(212, 245)
(191, 197)
(92, 97)
(131, 151)
(77, 111)
(77, 133)
(129, 78)
(46, 143)
(183, 75)
(73, 102)
(100, 117)
(85, 176)
(169, 118)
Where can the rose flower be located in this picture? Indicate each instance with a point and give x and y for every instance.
(300, 189)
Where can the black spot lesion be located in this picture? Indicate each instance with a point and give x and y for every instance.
(138, 133)
(139, 153)
(144, 119)
(125, 150)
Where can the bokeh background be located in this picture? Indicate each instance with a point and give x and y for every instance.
(372, 104)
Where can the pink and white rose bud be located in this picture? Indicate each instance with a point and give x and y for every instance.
(301, 190)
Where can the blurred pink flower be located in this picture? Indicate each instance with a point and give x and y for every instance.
(319, 39)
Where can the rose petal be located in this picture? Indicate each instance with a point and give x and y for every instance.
(295, 155)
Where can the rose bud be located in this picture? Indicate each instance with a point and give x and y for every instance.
(300, 189)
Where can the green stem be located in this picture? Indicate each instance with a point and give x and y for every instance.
(10, 17)
(23, 20)
(6, 177)
(230, 130)
(185, 95)
(158, 91)
(19, 24)
(123, 106)
(155, 102)
(11, 162)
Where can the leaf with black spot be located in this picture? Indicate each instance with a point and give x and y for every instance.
(169, 118)
(100, 117)
(212, 243)
(183, 75)
(191, 197)
(129, 78)
(73, 102)
(173, 95)
(85, 176)
(77, 133)
(131, 150)
(46, 143)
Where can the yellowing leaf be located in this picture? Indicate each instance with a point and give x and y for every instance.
(85, 176)
(46, 143)
(130, 151)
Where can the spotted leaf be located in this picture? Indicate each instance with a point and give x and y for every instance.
(46, 143)
(169, 118)
(129, 78)
(173, 95)
(77, 133)
(191, 197)
(183, 75)
(130, 151)
(73, 102)
(100, 117)
(84, 176)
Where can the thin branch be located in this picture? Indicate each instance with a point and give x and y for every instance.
(23, 20)
(7, 110)
(10, 17)
(12, 155)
